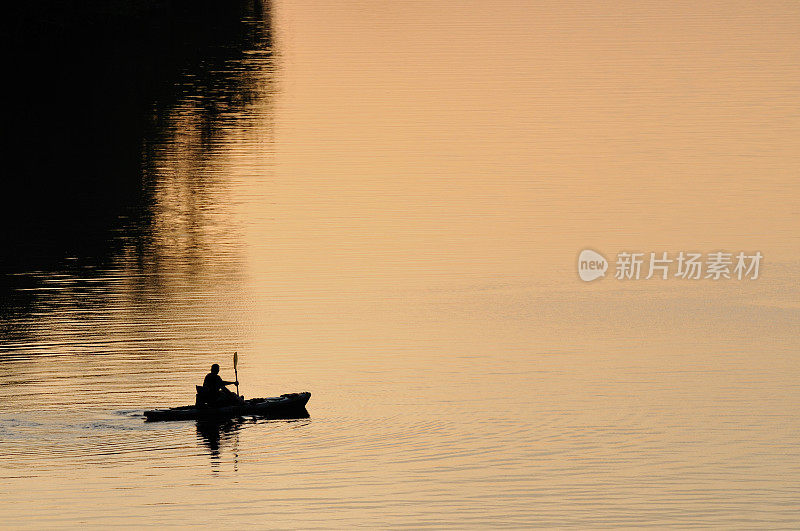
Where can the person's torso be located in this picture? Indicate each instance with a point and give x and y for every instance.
(212, 381)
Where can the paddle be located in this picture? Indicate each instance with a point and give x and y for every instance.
(235, 371)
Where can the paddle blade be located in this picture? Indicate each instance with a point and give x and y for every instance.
(235, 359)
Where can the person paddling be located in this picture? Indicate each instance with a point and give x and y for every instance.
(214, 390)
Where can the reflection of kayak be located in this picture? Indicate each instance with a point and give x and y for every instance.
(279, 405)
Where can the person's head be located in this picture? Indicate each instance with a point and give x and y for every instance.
(215, 368)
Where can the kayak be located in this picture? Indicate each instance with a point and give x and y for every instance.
(280, 405)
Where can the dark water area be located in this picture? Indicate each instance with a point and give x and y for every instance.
(93, 86)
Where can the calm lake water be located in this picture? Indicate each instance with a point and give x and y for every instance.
(383, 204)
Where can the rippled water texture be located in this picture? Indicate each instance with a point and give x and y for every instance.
(382, 204)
